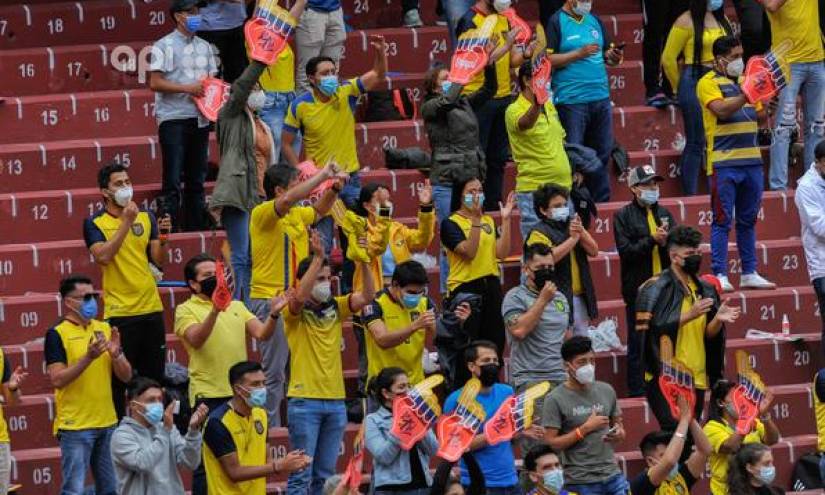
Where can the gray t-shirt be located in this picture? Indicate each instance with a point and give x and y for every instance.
(592, 459)
(536, 357)
(222, 14)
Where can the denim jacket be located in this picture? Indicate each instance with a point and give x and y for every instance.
(390, 463)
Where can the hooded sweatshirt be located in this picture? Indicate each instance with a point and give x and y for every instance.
(146, 459)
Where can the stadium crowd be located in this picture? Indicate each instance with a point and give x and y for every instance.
(307, 254)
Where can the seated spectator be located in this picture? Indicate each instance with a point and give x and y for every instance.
(235, 452)
(537, 140)
(571, 245)
(222, 25)
(752, 472)
(663, 451)
(725, 441)
(313, 325)
(394, 470)
(580, 49)
(445, 484)
(537, 318)
(82, 353)
(147, 448)
(11, 393)
(735, 166)
(583, 422)
(708, 18)
(680, 305)
(640, 229)
(810, 202)
(544, 469)
(398, 322)
(474, 249)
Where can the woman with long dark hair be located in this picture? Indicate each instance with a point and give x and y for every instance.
(752, 472)
(708, 18)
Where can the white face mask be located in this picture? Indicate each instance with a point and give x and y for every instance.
(586, 374)
(322, 292)
(582, 8)
(501, 5)
(122, 196)
(256, 100)
(735, 67)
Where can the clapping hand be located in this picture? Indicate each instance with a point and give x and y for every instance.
(293, 461)
(280, 301)
(425, 193)
(17, 377)
(506, 209)
(727, 314)
(463, 311)
(316, 247)
(199, 416)
(113, 345)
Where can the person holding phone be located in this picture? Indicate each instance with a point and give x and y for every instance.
(640, 229)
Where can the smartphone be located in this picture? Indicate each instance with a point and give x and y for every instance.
(176, 407)
(384, 211)
(665, 223)
(613, 430)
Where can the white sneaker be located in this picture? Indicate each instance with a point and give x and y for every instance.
(725, 283)
(755, 281)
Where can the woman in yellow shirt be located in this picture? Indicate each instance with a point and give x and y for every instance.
(474, 249)
(696, 53)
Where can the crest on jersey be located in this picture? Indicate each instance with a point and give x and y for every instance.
(137, 229)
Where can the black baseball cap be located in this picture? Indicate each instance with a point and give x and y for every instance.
(643, 175)
(185, 5)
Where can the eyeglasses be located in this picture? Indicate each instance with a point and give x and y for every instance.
(86, 297)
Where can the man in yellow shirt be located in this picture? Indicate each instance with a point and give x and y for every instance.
(215, 339)
(81, 355)
(537, 141)
(235, 451)
(795, 31)
(127, 243)
(314, 326)
(11, 381)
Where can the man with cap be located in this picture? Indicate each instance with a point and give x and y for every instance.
(179, 62)
(640, 228)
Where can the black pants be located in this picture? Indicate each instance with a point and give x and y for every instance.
(819, 288)
(185, 149)
(231, 50)
(635, 380)
(486, 325)
(492, 133)
(546, 10)
(756, 28)
(661, 410)
(658, 17)
(199, 474)
(143, 340)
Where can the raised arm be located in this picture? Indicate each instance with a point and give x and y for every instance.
(522, 325)
(670, 458)
(358, 300)
(304, 188)
(307, 282)
(372, 79)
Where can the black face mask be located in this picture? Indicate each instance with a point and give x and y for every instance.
(692, 264)
(208, 285)
(489, 375)
(542, 276)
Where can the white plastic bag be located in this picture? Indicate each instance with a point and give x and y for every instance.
(604, 337)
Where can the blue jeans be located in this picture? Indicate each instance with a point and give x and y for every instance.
(739, 190)
(442, 195)
(349, 195)
(84, 449)
(591, 124)
(316, 427)
(617, 485)
(529, 219)
(453, 10)
(185, 149)
(695, 145)
(809, 79)
(273, 113)
(236, 223)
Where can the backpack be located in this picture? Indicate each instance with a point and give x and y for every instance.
(396, 104)
(806, 473)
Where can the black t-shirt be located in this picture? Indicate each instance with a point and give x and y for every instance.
(682, 483)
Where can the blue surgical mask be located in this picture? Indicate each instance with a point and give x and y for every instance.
(554, 480)
(153, 412)
(649, 196)
(193, 23)
(714, 5)
(257, 397)
(582, 8)
(328, 85)
(88, 309)
(560, 214)
(411, 300)
(445, 86)
(767, 474)
(468, 200)
(673, 472)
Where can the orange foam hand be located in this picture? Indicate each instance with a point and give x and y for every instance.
(222, 297)
(215, 95)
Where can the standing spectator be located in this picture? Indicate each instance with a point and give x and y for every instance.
(395, 471)
(81, 355)
(474, 249)
(725, 441)
(537, 139)
(496, 461)
(797, 23)
(580, 49)
(320, 33)
(180, 60)
(278, 241)
(640, 229)
(125, 241)
(537, 318)
(314, 325)
(571, 245)
(213, 339)
(662, 451)
(397, 323)
(452, 131)
(11, 381)
(734, 163)
(657, 19)
(222, 25)
(681, 306)
(755, 27)
(544, 469)
(235, 451)
(147, 448)
(583, 421)
(752, 471)
(708, 18)
(491, 128)
(810, 201)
